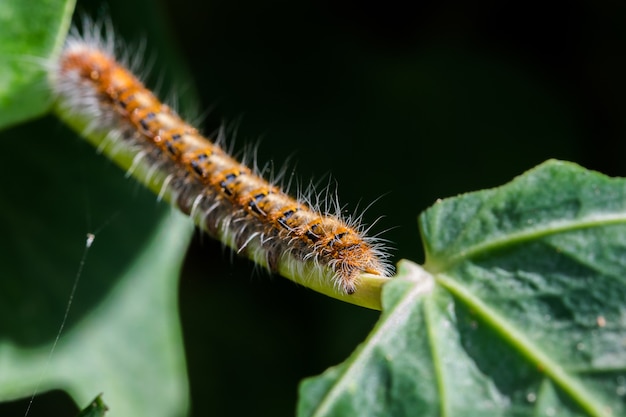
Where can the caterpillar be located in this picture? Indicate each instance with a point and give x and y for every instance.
(228, 199)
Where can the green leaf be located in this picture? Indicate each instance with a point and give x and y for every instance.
(519, 310)
(97, 408)
(30, 35)
(122, 336)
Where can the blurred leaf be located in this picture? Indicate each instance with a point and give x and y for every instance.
(97, 408)
(122, 336)
(519, 311)
(30, 35)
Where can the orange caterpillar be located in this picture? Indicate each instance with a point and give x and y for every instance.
(232, 199)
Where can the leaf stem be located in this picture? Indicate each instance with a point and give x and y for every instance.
(307, 273)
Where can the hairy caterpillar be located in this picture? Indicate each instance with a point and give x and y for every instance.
(231, 201)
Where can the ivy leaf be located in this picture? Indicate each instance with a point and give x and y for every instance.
(65, 213)
(518, 311)
(122, 335)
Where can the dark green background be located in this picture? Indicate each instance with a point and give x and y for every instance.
(410, 105)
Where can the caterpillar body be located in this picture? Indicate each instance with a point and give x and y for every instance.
(231, 201)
